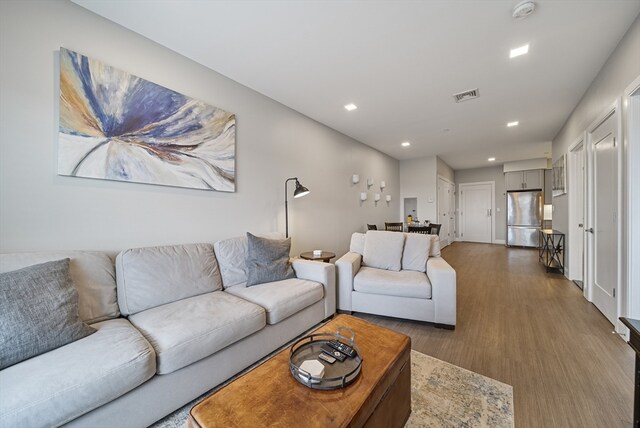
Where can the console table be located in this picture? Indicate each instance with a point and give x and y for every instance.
(634, 342)
(551, 251)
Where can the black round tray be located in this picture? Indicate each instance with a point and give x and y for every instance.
(336, 375)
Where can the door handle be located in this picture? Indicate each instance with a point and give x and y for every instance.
(590, 230)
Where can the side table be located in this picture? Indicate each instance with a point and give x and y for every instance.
(551, 251)
(325, 256)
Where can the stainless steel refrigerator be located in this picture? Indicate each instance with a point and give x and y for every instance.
(524, 218)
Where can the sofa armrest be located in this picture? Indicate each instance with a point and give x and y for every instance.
(325, 274)
(347, 267)
(443, 290)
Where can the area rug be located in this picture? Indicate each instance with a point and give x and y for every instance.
(442, 395)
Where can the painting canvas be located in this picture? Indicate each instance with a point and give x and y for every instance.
(559, 177)
(116, 126)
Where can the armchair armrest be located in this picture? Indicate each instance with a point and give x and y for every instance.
(347, 267)
(443, 290)
(324, 273)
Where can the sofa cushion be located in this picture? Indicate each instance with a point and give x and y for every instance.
(232, 254)
(54, 388)
(357, 243)
(38, 311)
(405, 283)
(383, 250)
(416, 251)
(154, 276)
(281, 299)
(268, 260)
(188, 330)
(93, 275)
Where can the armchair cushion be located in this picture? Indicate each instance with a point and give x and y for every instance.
(405, 283)
(383, 250)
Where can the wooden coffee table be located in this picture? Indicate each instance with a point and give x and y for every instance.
(268, 395)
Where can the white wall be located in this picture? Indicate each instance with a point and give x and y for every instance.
(40, 210)
(620, 69)
(492, 173)
(419, 179)
(445, 170)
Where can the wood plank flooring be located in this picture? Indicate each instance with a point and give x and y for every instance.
(534, 331)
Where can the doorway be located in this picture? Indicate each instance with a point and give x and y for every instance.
(477, 206)
(446, 207)
(576, 191)
(604, 207)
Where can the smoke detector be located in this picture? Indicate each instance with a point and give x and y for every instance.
(523, 9)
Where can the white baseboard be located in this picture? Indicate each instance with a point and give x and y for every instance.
(499, 241)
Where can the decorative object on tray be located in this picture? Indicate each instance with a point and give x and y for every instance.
(117, 126)
(306, 353)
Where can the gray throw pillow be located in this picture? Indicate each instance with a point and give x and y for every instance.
(38, 311)
(268, 260)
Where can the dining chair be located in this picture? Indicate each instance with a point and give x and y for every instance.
(435, 228)
(394, 227)
(425, 230)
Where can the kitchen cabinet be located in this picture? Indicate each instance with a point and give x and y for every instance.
(524, 180)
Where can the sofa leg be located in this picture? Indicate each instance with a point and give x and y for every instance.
(445, 326)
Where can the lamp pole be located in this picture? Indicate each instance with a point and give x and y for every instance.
(299, 192)
(286, 206)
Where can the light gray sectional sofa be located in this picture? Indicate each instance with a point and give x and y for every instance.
(172, 322)
(399, 275)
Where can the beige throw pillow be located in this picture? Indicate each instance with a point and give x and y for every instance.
(416, 251)
(383, 250)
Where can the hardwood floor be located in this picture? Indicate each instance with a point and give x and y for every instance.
(534, 331)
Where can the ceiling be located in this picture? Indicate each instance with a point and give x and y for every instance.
(400, 62)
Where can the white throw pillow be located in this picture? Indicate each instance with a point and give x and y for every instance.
(416, 251)
(357, 243)
(435, 246)
(383, 250)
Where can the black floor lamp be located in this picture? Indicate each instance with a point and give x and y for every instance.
(298, 193)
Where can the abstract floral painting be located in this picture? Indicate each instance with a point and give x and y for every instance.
(116, 126)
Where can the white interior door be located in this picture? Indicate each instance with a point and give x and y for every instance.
(604, 216)
(476, 210)
(452, 212)
(576, 211)
(444, 212)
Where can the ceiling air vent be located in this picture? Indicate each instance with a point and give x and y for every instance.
(466, 95)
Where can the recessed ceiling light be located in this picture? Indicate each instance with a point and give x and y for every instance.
(519, 51)
(491, 159)
(351, 107)
(510, 124)
(405, 144)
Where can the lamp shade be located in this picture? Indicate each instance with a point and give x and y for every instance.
(548, 212)
(300, 190)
